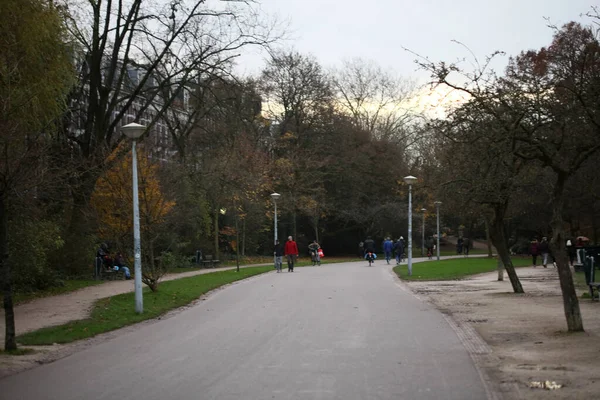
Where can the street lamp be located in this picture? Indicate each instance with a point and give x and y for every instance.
(275, 197)
(410, 180)
(423, 233)
(437, 206)
(133, 131)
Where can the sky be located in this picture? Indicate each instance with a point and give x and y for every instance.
(378, 30)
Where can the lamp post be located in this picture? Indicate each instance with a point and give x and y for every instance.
(423, 233)
(133, 131)
(410, 180)
(275, 197)
(437, 206)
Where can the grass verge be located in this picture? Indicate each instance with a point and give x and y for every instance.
(69, 286)
(118, 311)
(453, 269)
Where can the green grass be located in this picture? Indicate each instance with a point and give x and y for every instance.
(118, 311)
(69, 286)
(453, 269)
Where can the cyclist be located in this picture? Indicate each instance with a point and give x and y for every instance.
(314, 252)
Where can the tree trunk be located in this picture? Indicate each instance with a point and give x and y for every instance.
(216, 232)
(570, 301)
(244, 237)
(10, 342)
(489, 241)
(497, 233)
(500, 268)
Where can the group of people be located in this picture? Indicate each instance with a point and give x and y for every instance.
(290, 252)
(390, 247)
(109, 262)
(543, 249)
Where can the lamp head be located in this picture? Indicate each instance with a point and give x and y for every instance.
(133, 130)
(410, 179)
(275, 196)
(437, 203)
(423, 209)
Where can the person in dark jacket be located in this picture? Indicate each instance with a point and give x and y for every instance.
(278, 253)
(120, 264)
(544, 249)
(399, 247)
(459, 245)
(534, 250)
(466, 246)
(388, 246)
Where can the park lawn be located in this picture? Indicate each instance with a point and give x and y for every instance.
(69, 286)
(118, 311)
(453, 269)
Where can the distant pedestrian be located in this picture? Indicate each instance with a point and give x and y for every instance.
(278, 255)
(388, 246)
(291, 252)
(399, 247)
(459, 245)
(534, 250)
(466, 246)
(544, 249)
(429, 246)
(571, 252)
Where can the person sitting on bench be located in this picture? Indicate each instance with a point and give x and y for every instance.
(120, 264)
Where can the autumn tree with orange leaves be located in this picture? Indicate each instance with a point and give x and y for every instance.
(112, 203)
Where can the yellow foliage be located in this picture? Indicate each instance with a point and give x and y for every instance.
(112, 198)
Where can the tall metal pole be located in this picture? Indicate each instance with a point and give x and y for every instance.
(137, 248)
(409, 230)
(437, 205)
(275, 241)
(423, 235)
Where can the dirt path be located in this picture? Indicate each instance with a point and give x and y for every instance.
(58, 310)
(525, 335)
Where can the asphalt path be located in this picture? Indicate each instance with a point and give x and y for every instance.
(339, 331)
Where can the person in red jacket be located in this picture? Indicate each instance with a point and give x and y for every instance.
(291, 252)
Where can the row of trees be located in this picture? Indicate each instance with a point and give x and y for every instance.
(525, 145)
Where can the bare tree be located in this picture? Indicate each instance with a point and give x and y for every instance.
(136, 60)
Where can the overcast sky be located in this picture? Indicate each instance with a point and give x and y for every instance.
(334, 30)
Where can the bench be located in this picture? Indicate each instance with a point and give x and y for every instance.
(101, 272)
(589, 268)
(209, 261)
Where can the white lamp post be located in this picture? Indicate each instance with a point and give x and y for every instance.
(437, 206)
(410, 180)
(275, 197)
(133, 131)
(423, 233)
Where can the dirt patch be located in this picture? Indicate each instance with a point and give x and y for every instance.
(526, 333)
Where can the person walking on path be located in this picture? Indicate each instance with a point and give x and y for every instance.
(291, 252)
(399, 247)
(534, 250)
(466, 246)
(278, 255)
(571, 252)
(459, 245)
(388, 246)
(544, 249)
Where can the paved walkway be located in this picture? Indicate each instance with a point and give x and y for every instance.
(339, 331)
(57, 310)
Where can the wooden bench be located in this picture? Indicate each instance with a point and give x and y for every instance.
(209, 261)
